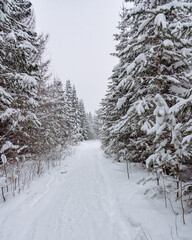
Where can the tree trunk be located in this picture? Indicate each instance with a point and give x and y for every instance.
(159, 67)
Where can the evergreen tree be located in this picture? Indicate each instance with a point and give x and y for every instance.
(152, 76)
(57, 125)
(75, 114)
(96, 125)
(18, 75)
(72, 102)
(91, 132)
(84, 128)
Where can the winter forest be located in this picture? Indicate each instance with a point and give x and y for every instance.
(122, 173)
(37, 115)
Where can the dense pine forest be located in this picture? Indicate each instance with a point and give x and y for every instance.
(146, 114)
(39, 116)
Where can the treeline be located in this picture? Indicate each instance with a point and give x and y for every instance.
(146, 114)
(37, 114)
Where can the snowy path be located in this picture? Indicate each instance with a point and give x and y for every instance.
(82, 200)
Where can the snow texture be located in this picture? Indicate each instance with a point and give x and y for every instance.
(89, 197)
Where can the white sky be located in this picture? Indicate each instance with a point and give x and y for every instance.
(81, 40)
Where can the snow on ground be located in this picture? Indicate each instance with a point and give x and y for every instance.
(89, 198)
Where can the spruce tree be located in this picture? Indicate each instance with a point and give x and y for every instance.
(57, 125)
(71, 101)
(84, 127)
(152, 76)
(116, 132)
(18, 77)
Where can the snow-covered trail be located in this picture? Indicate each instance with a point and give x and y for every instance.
(80, 200)
(76, 204)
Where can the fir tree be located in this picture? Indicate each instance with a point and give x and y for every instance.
(18, 77)
(57, 124)
(151, 78)
(84, 128)
(71, 101)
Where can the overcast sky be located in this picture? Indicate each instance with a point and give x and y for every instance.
(81, 40)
